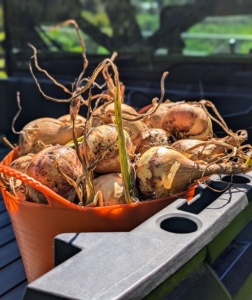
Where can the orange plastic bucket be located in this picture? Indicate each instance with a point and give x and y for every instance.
(35, 225)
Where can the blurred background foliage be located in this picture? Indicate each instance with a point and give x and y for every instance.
(147, 14)
(207, 36)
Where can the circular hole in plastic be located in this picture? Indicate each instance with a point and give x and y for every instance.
(235, 179)
(179, 225)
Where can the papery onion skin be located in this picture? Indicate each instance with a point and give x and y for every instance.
(20, 164)
(47, 130)
(67, 119)
(203, 151)
(153, 137)
(162, 171)
(135, 130)
(209, 151)
(111, 187)
(188, 121)
(102, 145)
(105, 114)
(155, 120)
(48, 167)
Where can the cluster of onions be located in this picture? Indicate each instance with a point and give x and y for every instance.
(116, 155)
(165, 160)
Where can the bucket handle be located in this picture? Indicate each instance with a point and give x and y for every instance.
(50, 195)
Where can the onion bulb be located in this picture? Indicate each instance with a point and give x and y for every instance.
(112, 189)
(135, 130)
(162, 171)
(20, 164)
(51, 167)
(48, 131)
(153, 137)
(105, 114)
(101, 147)
(211, 150)
(188, 121)
(67, 119)
(154, 120)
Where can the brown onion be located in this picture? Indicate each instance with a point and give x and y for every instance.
(211, 150)
(153, 137)
(67, 119)
(162, 171)
(51, 166)
(105, 114)
(135, 130)
(188, 120)
(111, 187)
(154, 120)
(20, 164)
(48, 131)
(102, 147)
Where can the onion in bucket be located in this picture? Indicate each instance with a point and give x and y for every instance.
(48, 131)
(111, 188)
(188, 120)
(101, 147)
(211, 150)
(56, 167)
(163, 171)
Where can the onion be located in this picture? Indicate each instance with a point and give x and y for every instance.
(20, 164)
(162, 171)
(105, 114)
(111, 187)
(67, 119)
(51, 166)
(101, 145)
(153, 137)
(188, 120)
(211, 150)
(154, 120)
(47, 131)
(135, 130)
(202, 150)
